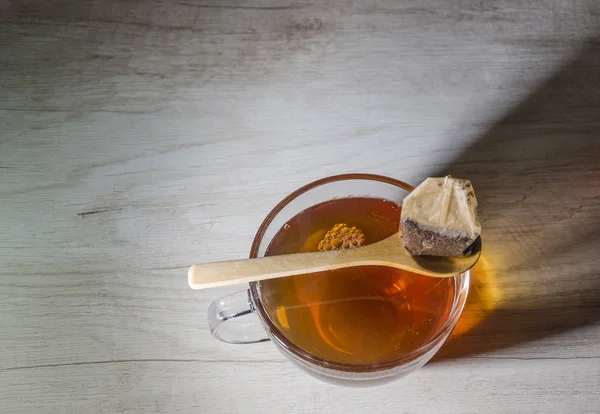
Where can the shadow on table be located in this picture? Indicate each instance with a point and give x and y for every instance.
(537, 178)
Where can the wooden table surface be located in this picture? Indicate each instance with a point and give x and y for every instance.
(138, 137)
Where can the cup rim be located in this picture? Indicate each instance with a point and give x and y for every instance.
(461, 279)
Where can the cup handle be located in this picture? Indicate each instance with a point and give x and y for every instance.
(232, 319)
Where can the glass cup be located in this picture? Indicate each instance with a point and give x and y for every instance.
(240, 318)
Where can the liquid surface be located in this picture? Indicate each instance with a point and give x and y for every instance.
(359, 315)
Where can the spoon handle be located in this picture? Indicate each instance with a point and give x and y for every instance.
(208, 275)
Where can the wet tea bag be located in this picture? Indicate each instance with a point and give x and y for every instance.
(439, 218)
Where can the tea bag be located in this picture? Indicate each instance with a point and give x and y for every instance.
(439, 218)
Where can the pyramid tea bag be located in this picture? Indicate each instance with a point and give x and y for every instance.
(439, 218)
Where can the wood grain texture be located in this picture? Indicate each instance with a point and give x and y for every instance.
(139, 137)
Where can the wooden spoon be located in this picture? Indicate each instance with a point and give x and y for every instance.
(388, 252)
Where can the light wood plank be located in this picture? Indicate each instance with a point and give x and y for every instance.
(140, 137)
(189, 387)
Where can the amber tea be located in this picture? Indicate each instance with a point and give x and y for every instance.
(360, 315)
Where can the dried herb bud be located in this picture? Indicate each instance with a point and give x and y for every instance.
(342, 237)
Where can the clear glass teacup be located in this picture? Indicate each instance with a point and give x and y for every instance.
(243, 318)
